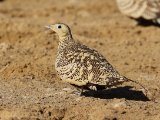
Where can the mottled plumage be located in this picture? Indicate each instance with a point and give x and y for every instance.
(146, 9)
(80, 65)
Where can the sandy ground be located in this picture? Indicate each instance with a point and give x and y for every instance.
(29, 86)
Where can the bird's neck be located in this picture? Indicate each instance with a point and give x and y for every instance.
(65, 41)
(64, 37)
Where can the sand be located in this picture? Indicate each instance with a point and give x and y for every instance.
(29, 86)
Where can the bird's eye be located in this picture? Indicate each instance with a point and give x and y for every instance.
(59, 26)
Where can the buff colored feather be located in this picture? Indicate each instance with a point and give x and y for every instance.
(82, 66)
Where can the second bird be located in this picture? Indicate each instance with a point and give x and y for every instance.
(142, 10)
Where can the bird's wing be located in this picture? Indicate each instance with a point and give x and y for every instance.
(132, 8)
(148, 9)
(93, 67)
(152, 10)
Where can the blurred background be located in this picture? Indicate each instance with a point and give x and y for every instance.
(29, 87)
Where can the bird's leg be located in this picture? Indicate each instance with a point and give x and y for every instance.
(93, 87)
(78, 91)
(82, 91)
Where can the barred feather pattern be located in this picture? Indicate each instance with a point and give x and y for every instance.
(80, 65)
(147, 9)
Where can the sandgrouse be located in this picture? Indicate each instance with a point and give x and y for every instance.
(142, 10)
(82, 66)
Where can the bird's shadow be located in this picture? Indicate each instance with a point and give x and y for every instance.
(119, 92)
(146, 23)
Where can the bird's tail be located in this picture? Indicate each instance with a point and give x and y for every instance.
(129, 80)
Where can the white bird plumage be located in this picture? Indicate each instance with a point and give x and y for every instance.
(146, 9)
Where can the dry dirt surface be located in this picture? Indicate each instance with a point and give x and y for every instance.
(29, 86)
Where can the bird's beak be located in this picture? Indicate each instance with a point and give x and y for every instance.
(48, 26)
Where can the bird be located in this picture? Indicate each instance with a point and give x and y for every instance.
(144, 11)
(82, 66)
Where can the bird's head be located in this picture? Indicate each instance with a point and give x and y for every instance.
(61, 29)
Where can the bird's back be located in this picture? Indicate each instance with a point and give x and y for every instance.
(78, 64)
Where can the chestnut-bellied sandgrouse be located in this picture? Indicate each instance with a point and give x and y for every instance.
(82, 66)
(142, 10)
